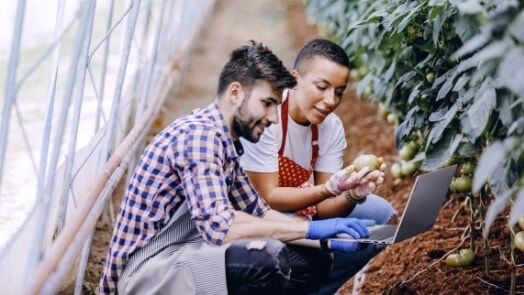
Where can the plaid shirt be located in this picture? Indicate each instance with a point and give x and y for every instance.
(194, 160)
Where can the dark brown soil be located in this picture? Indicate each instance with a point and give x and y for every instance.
(417, 265)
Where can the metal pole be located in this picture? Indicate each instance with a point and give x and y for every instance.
(11, 89)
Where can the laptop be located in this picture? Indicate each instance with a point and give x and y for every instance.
(420, 213)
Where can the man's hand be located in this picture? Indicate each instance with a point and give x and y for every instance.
(322, 229)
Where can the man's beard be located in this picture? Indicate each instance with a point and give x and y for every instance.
(243, 127)
(243, 124)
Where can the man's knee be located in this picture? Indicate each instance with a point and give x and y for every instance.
(258, 264)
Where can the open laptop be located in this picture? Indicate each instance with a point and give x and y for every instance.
(420, 214)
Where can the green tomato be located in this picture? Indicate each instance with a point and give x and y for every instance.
(519, 240)
(520, 221)
(430, 77)
(407, 152)
(463, 258)
(396, 170)
(383, 110)
(463, 183)
(467, 168)
(363, 70)
(449, 162)
(367, 160)
(354, 74)
(392, 119)
(409, 168)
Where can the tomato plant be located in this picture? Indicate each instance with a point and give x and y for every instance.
(451, 70)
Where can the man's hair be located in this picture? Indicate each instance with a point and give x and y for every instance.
(322, 48)
(252, 63)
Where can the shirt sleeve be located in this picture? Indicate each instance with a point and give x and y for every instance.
(262, 156)
(204, 184)
(215, 185)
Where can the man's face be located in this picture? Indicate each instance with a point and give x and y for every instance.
(319, 90)
(256, 111)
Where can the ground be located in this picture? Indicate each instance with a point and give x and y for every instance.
(414, 266)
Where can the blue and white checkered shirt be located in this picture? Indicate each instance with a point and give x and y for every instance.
(194, 163)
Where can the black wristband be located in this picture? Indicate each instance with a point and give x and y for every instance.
(324, 246)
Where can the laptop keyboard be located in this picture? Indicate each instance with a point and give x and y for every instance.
(382, 232)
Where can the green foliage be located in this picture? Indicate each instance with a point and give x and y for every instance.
(453, 70)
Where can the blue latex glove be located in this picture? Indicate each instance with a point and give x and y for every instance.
(326, 228)
(345, 246)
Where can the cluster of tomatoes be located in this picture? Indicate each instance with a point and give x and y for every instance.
(406, 166)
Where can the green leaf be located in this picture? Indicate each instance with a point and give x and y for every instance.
(489, 160)
(511, 70)
(406, 77)
(470, 7)
(445, 89)
(518, 208)
(461, 82)
(414, 93)
(481, 109)
(516, 28)
(437, 129)
(494, 210)
(441, 152)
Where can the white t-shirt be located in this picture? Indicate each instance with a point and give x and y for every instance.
(263, 155)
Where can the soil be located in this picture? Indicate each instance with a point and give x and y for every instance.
(414, 266)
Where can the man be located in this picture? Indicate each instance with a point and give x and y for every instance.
(309, 145)
(191, 222)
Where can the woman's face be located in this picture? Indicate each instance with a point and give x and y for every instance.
(319, 90)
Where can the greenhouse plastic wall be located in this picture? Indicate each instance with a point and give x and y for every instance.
(82, 83)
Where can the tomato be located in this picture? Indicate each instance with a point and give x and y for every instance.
(367, 160)
(449, 162)
(408, 168)
(430, 77)
(354, 74)
(463, 183)
(396, 170)
(363, 71)
(463, 258)
(384, 111)
(519, 240)
(467, 168)
(520, 221)
(408, 151)
(392, 119)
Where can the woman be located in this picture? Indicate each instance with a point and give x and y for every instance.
(293, 160)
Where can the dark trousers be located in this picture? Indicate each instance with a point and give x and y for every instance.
(268, 266)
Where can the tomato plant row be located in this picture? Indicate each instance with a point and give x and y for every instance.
(451, 71)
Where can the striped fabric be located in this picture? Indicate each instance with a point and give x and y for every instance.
(192, 163)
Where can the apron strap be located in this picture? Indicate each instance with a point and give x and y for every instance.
(314, 135)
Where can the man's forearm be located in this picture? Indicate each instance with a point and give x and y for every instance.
(272, 225)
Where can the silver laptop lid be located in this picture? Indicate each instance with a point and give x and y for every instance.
(424, 203)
